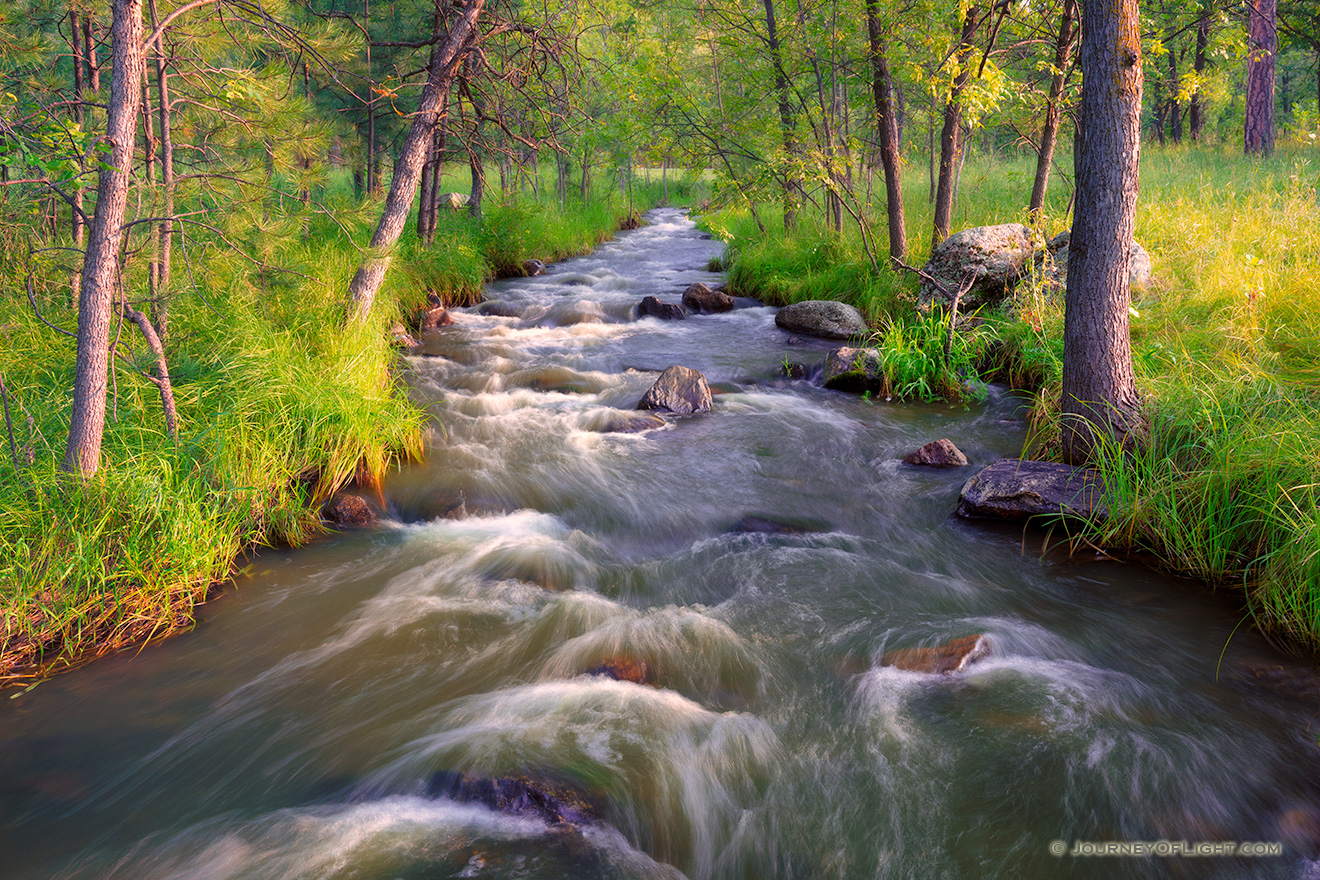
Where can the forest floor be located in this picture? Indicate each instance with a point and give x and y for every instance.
(1226, 346)
(280, 403)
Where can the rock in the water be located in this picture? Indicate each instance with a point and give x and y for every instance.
(621, 422)
(431, 318)
(624, 669)
(498, 309)
(760, 525)
(855, 369)
(679, 390)
(547, 800)
(348, 511)
(793, 371)
(994, 257)
(400, 336)
(956, 656)
(533, 267)
(1014, 489)
(821, 317)
(1052, 264)
(700, 298)
(937, 454)
(652, 307)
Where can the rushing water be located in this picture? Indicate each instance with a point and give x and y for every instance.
(300, 731)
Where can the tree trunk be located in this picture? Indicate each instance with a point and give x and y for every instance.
(101, 263)
(1196, 112)
(882, 90)
(792, 182)
(445, 59)
(949, 140)
(1099, 389)
(1262, 34)
(1175, 111)
(79, 116)
(93, 78)
(1049, 129)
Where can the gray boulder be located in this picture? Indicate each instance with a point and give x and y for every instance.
(937, 454)
(821, 317)
(700, 298)
(994, 257)
(679, 390)
(1052, 264)
(854, 369)
(533, 267)
(1014, 489)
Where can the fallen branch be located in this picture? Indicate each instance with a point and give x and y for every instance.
(954, 297)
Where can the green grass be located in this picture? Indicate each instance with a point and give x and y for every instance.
(280, 404)
(1226, 346)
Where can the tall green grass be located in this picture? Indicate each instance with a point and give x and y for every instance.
(1226, 346)
(280, 403)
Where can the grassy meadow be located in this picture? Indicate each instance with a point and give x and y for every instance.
(1226, 346)
(280, 402)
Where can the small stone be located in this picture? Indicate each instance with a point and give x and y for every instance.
(937, 454)
(654, 308)
(533, 267)
(856, 370)
(399, 336)
(956, 656)
(793, 371)
(700, 298)
(431, 318)
(348, 511)
(624, 669)
(679, 390)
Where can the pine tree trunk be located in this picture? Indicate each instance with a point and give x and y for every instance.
(101, 263)
(1049, 130)
(445, 59)
(882, 90)
(1262, 34)
(1099, 389)
(949, 140)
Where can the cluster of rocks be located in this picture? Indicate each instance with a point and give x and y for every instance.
(697, 298)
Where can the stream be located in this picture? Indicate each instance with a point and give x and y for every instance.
(313, 724)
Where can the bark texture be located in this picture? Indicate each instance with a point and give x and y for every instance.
(100, 273)
(1099, 389)
(1262, 41)
(882, 89)
(445, 60)
(949, 135)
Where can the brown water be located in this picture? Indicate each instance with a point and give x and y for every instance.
(299, 731)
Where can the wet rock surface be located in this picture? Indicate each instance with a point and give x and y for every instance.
(955, 656)
(651, 307)
(701, 298)
(937, 454)
(679, 390)
(552, 801)
(348, 511)
(854, 369)
(1020, 489)
(624, 669)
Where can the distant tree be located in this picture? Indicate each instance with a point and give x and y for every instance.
(1064, 40)
(1100, 397)
(886, 123)
(1262, 44)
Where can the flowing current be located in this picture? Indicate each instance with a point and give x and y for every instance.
(312, 725)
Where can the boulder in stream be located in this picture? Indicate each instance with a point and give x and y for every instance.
(679, 390)
(763, 525)
(1019, 489)
(533, 267)
(498, 309)
(430, 318)
(855, 369)
(700, 298)
(654, 308)
(551, 801)
(821, 317)
(348, 511)
(937, 454)
(955, 656)
(400, 337)
(621, 422)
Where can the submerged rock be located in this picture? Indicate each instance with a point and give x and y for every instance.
(821, 317)
(654, 308)
(348, 511)
(624, 669)
(498, 309)
(679, 390)
(430, 318)
(1019, 489)
(551, 801)
(622, 422)
(855, 369)
(956, 656)
(701, 298)
(993, 257)
(793, 371)
(760, 525)
(937, 454)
